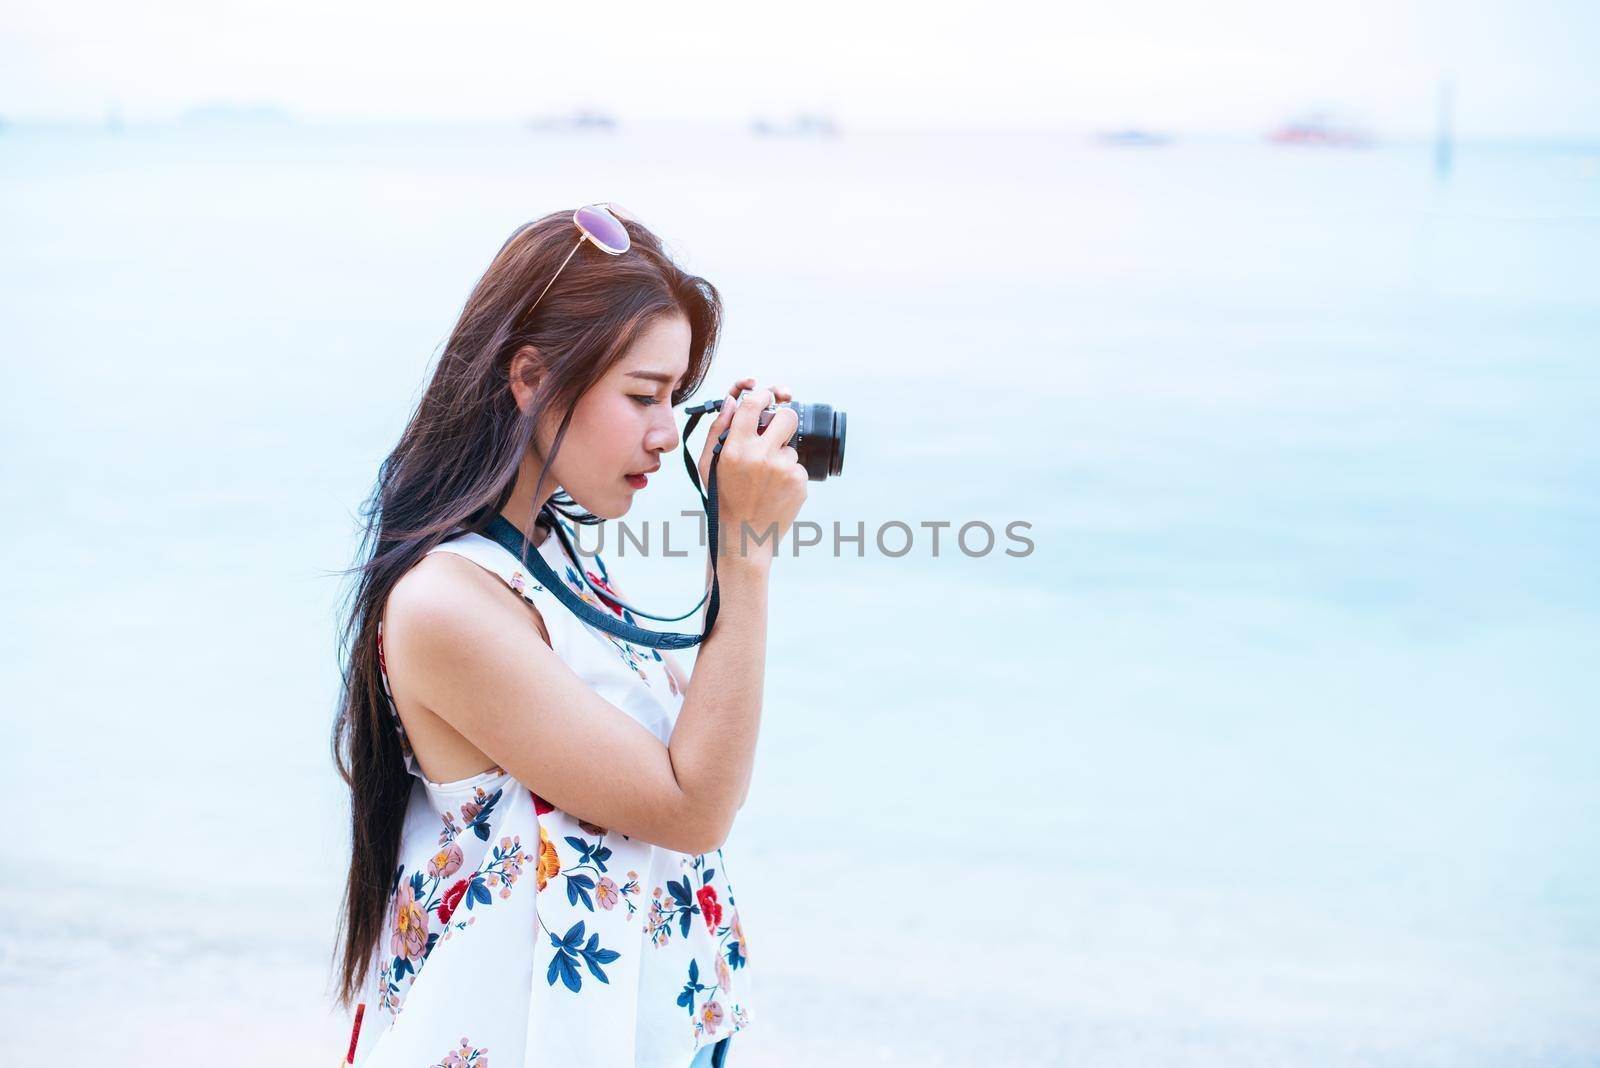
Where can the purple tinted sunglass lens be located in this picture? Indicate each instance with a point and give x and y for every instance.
(603, 229)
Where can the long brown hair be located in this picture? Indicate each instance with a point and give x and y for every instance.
(456, 465)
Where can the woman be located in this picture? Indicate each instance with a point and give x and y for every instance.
(537, 808)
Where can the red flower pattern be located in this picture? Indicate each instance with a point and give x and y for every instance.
(607, 601)
(452, 898)
(710, 907)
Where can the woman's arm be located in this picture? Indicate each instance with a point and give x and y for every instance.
(470, 651)
(675, 669)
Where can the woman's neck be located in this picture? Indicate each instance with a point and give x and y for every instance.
(520, 515)
(519, 518)
(519, 508)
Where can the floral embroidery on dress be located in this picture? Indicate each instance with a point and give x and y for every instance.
(632, 657)
(523, 584)
(588, 882)
(732, 953)
(465, 1056)
(425, 893)
(575, 581)
(614, 600)
(549, 861)
(711, 1015)
(570, 948)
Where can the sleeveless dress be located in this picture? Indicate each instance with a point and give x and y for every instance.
(523, 932)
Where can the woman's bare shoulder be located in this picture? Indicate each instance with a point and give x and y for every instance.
(443, 589)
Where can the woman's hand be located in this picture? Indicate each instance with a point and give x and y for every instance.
(760, 482)
(724, 418)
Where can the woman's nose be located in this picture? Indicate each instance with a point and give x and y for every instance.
(663, 436)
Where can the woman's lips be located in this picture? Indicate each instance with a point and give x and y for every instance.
(637, 481)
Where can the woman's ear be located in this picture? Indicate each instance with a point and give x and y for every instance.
(525, 374)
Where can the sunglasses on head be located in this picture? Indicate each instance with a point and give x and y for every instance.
(600, 225)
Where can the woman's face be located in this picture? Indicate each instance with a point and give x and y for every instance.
(623, 425)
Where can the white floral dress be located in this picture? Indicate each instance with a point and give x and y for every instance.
(518, 931)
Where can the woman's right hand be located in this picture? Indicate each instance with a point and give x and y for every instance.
(760, 481)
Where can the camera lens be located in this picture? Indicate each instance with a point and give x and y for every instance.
(836, 455)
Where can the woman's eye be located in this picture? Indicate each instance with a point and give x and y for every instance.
(643, 399)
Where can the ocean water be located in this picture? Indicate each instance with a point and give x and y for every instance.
(1280, 747)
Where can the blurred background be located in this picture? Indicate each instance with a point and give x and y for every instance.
(1277, 322)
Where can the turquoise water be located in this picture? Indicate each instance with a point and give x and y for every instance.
(1279, 748)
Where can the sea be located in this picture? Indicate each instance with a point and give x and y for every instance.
(1276, 743)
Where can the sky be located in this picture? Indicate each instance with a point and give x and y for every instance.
(1523, 69)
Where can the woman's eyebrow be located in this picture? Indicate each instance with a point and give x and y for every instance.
(654, 376)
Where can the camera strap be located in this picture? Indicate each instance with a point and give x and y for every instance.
(504, 532)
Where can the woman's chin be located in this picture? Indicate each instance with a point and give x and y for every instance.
(614, 508)
(607, 506)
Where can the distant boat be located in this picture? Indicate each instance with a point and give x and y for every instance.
(582, 119)
(1132, 137)
(805, 124)
(1319, 130)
